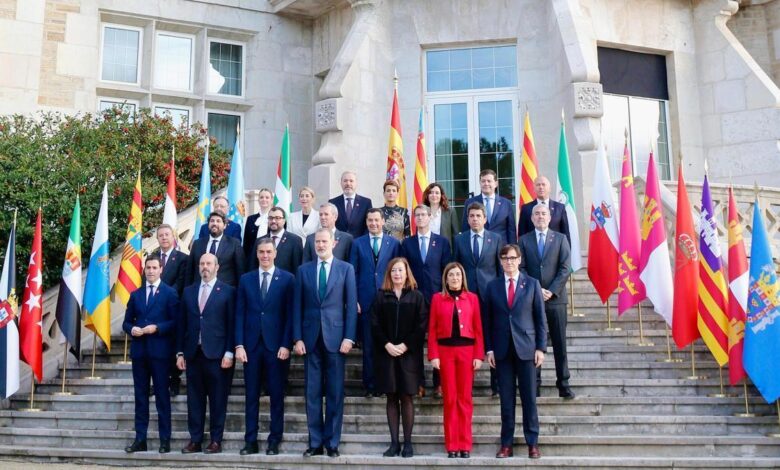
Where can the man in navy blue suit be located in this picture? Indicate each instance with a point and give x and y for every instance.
(352, 207)
(233, 230)
(559, 222)
(477, 250)
(499, 211)
(289, 246)
(228, 250)
(370, 255)
(324, 324)
(263, 341)
(150, 319)
(515, 340)
(206, 331)
(427, 253)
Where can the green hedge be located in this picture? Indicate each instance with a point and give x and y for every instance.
(46, 159)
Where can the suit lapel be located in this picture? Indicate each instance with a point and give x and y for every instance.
(519, 290)
(331, 276)
(548, 240)
(214, 292)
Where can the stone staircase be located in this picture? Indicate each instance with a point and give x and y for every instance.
(632, 411)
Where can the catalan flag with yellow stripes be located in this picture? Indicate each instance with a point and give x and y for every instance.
(529, 167)
(396, 170)
(713, 319)
(420, 171)
(129, 278)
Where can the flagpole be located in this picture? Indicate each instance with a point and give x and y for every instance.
(32, 396)
(747, 413)
(722, 393)
(94, 347)
(609, 321)
(124, 360)
(693, 375)
(669, 358)
(62, 392)
(571, 299)
(642, 341)
(775, 434)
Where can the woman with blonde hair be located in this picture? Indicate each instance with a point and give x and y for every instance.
(305, 221)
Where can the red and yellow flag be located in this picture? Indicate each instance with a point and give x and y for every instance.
(631, 288)
(739, 277)
(396, 170)
(686, 270)
(529, 167)
(420, 171)
(129, 278)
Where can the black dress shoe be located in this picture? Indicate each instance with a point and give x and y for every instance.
(408, 450)
(175, 389)
(566, 394)
(249, 448)
(165, 446)
(312, 451)
(273, 448)
(136, 446)
(393, 451)
(452, 455)
(464, 454)
(333, 452)
(213, 448)
(192, 447)
(369, 394)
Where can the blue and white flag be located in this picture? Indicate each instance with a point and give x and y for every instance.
(762, 328)
(204, 196)
(237, 209)
(9, 332)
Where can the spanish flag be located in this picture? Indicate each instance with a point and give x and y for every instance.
(97, 305)
(420, 171)
(129, 278)
(529, 167)
(396, 170)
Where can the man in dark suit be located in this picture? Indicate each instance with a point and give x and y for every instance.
(352, 207)
(427, 253)
(343, 240)
(233, 230)
(370, 255)
(324, 324)
(499, 211)
(263, 341)
(174, 274)
(559, 222)
(546, 257)
(515, 340)
(150, 319)
(289, 246)
(205, 339)
(477, 250)
(227, 250)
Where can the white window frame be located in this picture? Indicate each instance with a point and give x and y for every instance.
(140, 31)
(230, 113)
(118, 101)
(471, 90)
(191, 37)
(243, 67)
(155, 107)
(472, 101)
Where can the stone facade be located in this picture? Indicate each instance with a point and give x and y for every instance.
(327, 69)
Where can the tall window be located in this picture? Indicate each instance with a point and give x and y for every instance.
(226, 71)
(224, 128)
(636, 99)
(179, 115)
(120, 54)
(471, 103)
(173, 62)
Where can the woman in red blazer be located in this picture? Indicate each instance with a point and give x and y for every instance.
(456, 348)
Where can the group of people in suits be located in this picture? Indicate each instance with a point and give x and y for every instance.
(320, 286)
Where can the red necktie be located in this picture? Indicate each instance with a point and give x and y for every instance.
(510, 296)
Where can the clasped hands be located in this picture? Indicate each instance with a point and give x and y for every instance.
(147, 330)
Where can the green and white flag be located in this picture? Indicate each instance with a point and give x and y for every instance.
(565, 195)
(283, 188)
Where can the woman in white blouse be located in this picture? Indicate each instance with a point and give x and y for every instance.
(305, 221)
(257, 224)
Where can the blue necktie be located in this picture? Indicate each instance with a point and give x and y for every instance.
(264, 286)
(489, 208)
(213, 248)
(540, 245)
(323, 281)
(423, 248)
(151, 294)
(475, 248)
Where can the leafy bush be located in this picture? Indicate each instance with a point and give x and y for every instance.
(45, 160)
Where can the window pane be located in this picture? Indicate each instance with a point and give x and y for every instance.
(438, 81)
(226, 71)
(120, 55)
(451, 150)
(105, 105)
(179, 117)
(438, 60)
(172, 62)
(223, 128)
(614, 123)
(505, 56)
(471, 68)
(496, 147)
(482, 57)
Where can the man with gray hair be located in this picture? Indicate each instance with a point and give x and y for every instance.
(329, 214)
(221, 204)
(352, 207)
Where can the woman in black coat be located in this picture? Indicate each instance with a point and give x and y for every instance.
(399, 318)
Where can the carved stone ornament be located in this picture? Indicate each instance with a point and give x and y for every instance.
(588, 99)
(327, 115)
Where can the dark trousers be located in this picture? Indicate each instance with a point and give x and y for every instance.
(156, 370)
(324, 369)
(510, 371)
(262, 362)
(206, 379)
(369, 381)
(556, 322)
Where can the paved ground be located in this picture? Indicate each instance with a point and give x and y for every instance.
(7, 464)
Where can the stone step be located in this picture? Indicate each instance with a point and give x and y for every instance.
(483, 406)
(363, 461)
(431, 445)
(376, 424)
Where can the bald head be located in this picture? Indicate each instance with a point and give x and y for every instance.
(542, 187)
(208, 267)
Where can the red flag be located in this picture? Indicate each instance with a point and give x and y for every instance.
(529, 168)
(420, 173)
(396, 170)
(170, 215)
(603, 241)
(631, 289)
(30, 334)
(686, 270)
(738, 293)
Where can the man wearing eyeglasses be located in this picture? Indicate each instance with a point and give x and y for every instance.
(515, 340)
(289, 246)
